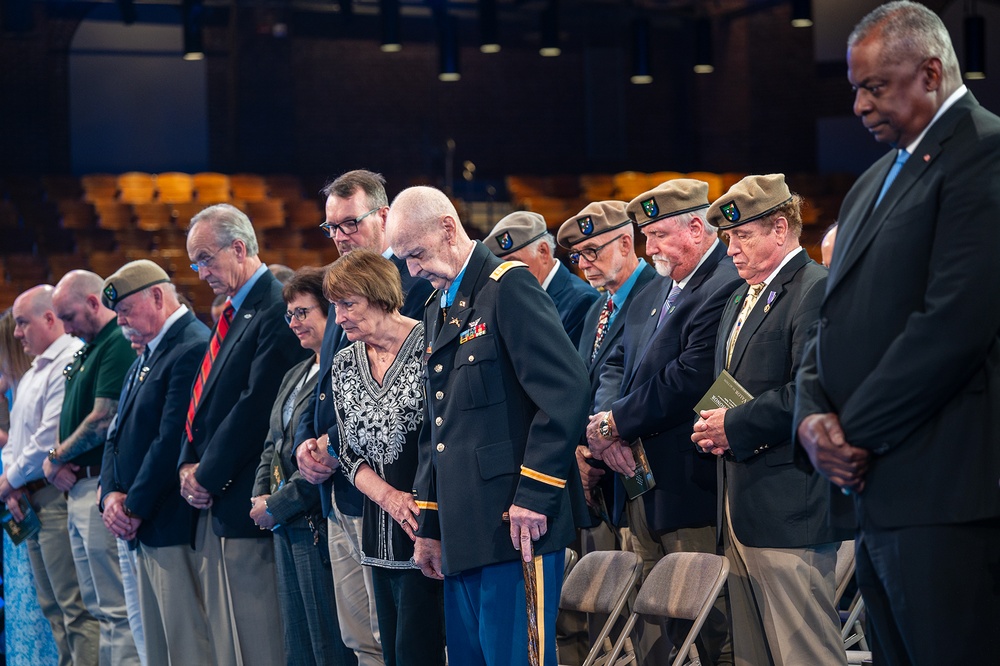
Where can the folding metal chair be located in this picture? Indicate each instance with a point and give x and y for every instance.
(602, 582)
(681, 586)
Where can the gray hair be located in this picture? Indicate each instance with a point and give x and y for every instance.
(229, 224)
(909, 31)
(549, 240)
(685, 218)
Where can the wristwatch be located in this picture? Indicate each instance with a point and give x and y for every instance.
(52, 455)
(605, 427)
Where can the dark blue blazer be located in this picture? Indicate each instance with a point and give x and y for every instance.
(324, 416)
(667, 370)
(232, 420)
(141, 455)
(573, 298)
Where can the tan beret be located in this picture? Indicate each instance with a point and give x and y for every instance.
(595, 219)
(669, 199)
(129, 279)
(750, 199)
(515, 231)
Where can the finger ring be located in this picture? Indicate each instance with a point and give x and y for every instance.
(190, 498)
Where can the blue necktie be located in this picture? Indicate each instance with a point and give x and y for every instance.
(893, 172)
(675, 291)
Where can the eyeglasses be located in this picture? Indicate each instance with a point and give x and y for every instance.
(591, 253)
(298, 313)
(347, 226)
(206, 262)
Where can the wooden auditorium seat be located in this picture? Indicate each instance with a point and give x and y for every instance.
(266, 214)
(211, 188)
(248, 187)
(99, 186)
(174, 187)
(284, 186)
(136, 187)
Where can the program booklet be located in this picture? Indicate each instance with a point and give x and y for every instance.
(725, 392)
(642, 481)
(21, 530)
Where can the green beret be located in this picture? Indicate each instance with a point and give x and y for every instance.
(750, 199)
(669, 199)
(515, 231)
(129, 279)
(595, 219)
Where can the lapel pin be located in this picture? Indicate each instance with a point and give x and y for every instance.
(455, 321)
(461, 304)
(652, 312)
(247, 316)
(143, 373)
(927, 157)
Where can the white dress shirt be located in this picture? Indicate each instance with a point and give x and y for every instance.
(34, 419)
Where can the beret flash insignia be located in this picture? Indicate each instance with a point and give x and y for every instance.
(111, 293)
(504, 240)
(650, 208)
(586, 225)
(731, 212)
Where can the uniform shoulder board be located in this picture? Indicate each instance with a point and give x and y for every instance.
(504, 267)
(434, 294)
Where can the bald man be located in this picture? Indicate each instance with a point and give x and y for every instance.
(34, 422)
(93, 384)
(504, 413)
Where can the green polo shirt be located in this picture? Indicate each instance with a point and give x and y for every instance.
(98, 371)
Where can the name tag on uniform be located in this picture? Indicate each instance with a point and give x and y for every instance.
(474, 331)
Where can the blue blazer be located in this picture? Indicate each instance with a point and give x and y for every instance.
(141, 455)
(667, 369)
(573, 298)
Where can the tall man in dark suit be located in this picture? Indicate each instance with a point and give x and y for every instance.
(772, 514)
(502, 416)
(225, 428)
(898, 396)
(523, 236)
(666, 359)
(356, 210)
(142, 505)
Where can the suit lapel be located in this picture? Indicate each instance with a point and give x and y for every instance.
(461, 308)
(867, 226)
(242, 319)
(765, 304)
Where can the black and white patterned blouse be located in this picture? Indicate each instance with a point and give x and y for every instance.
(379, 425)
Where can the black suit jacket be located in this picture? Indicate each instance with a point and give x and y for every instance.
(141, 454)
(503, 414)
(349, 499)
(573, 297)
(231, 423)
(907, 352)
(667, 369)
(773, 503)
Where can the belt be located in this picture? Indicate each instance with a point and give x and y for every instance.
(88, 472)
(36, 485)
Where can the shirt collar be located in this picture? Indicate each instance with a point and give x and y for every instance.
(620, 296)
(687, 278)
(241, 293)
(948, 103)
(552, 273)
(785, 260)
(178, 313)
(54, 350)
(448, 297)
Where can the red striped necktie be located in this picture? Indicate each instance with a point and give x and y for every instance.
(206, 366)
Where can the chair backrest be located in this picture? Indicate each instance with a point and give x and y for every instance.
(136, 187)
(682, 586)
(602, 582)
(844, 570)
(175, 187)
